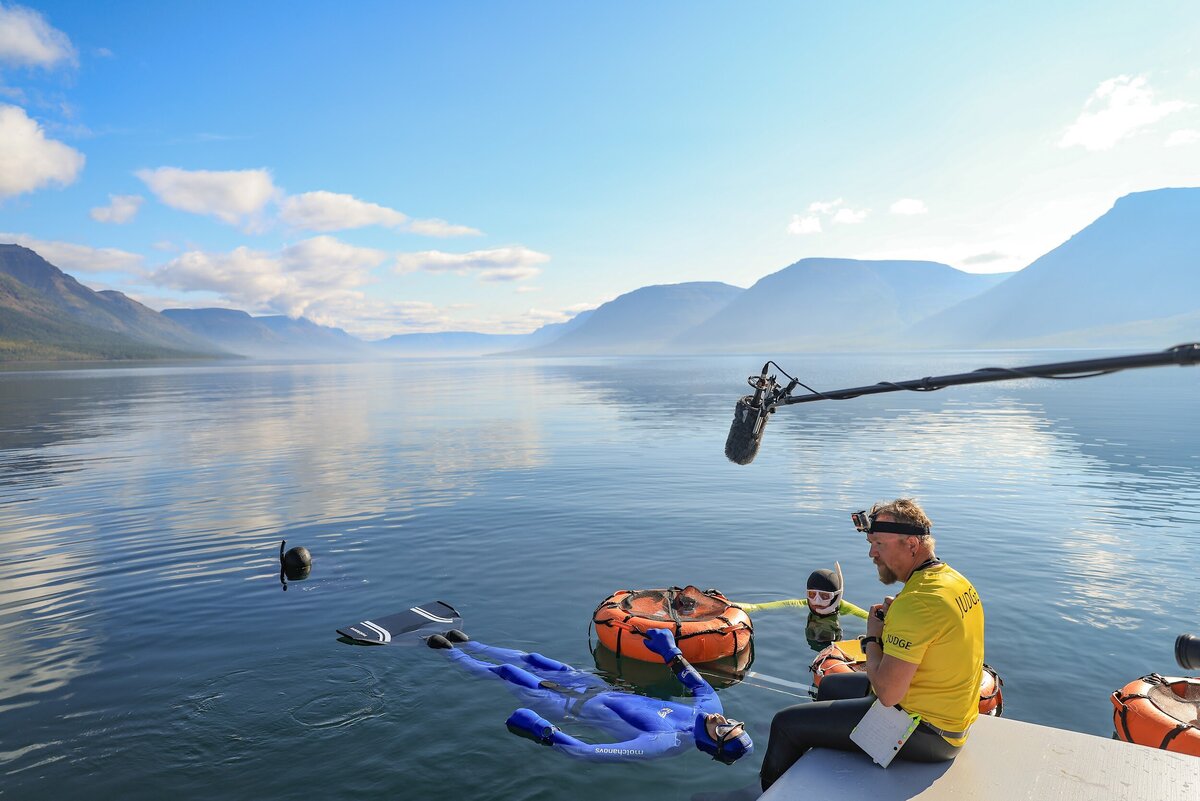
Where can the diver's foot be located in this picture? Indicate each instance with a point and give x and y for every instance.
(438, 641)
(456, 635)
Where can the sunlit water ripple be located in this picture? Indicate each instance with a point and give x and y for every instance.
(148, 648)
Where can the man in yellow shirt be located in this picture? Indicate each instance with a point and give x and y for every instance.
(924, 650)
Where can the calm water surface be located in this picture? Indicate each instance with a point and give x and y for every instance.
(147, 648)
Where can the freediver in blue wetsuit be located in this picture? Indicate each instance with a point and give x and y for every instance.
(645, 727)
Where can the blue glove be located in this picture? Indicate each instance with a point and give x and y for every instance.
(662, 642)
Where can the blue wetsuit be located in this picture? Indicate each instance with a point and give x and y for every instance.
(643, 728)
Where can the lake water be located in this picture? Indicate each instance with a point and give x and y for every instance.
(147, 649)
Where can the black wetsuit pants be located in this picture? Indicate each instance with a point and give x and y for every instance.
(827, 723)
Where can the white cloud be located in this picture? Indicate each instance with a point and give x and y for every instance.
(27, 40)
(28, 160)
(824, 206)
(244, 275)
(329, 211)
(800, 226)
(72, 258)
(375, 319)
(120, 209)
(525, 289)
(307, 278)
(325, 259)
(532, 319)
(519, 273)
(990, 257)
(810, 223)
(850, 216)
(513, 263)
(441, 228)
(540, 317)
(1120, 107)
(908, 205)
(233, 196)
(1187, 136)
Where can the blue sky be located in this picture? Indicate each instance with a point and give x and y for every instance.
(397, 167)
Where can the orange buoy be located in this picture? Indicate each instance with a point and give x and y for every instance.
(705, 624)
(1159, 712)
(991, 692)
(838, 659)
(834, 660)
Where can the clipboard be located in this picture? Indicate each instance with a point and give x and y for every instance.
(883, 731)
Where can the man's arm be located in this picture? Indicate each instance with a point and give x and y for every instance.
(890, 676)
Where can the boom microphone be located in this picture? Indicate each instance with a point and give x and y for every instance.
(750, 418)
(746, 432)
(750, 414)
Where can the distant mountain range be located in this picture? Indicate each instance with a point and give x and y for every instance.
(1130, 279)
(642, 321)
(467, 343)
(273, 337)
(831, 304)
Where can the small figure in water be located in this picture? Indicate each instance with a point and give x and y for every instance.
(825, 607)
(646, 727)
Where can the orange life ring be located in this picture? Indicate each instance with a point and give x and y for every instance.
(1159, 712)
(991, 692)
(834, 659)
(705, 624)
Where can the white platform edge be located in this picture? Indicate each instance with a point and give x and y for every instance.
(1003, 760)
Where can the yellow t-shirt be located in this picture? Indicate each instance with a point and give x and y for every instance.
(936, 622)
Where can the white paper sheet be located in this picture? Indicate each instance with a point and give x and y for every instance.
(883, 731)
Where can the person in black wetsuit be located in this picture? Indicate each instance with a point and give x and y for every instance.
(646, 727)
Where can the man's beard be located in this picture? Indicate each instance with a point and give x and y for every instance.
(886, 575)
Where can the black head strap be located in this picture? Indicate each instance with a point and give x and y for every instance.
(888, 527)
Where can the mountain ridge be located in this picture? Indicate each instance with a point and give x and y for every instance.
(59, 303)
(1135, 263)
(831, 303)
(1129, 277)
(641, 321)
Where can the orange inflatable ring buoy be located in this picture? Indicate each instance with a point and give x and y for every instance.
(835, 660)
(705, 624)
(991, 692)
(1159, 712)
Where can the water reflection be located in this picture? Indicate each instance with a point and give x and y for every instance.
(139, 483)
(46, 635)
(264, 451)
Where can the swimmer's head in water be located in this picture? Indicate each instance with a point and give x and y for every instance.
(723, 739)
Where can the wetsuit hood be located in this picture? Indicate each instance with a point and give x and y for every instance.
(728, 751)
(830, 583)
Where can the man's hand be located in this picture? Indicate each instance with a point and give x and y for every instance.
(876, 616)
